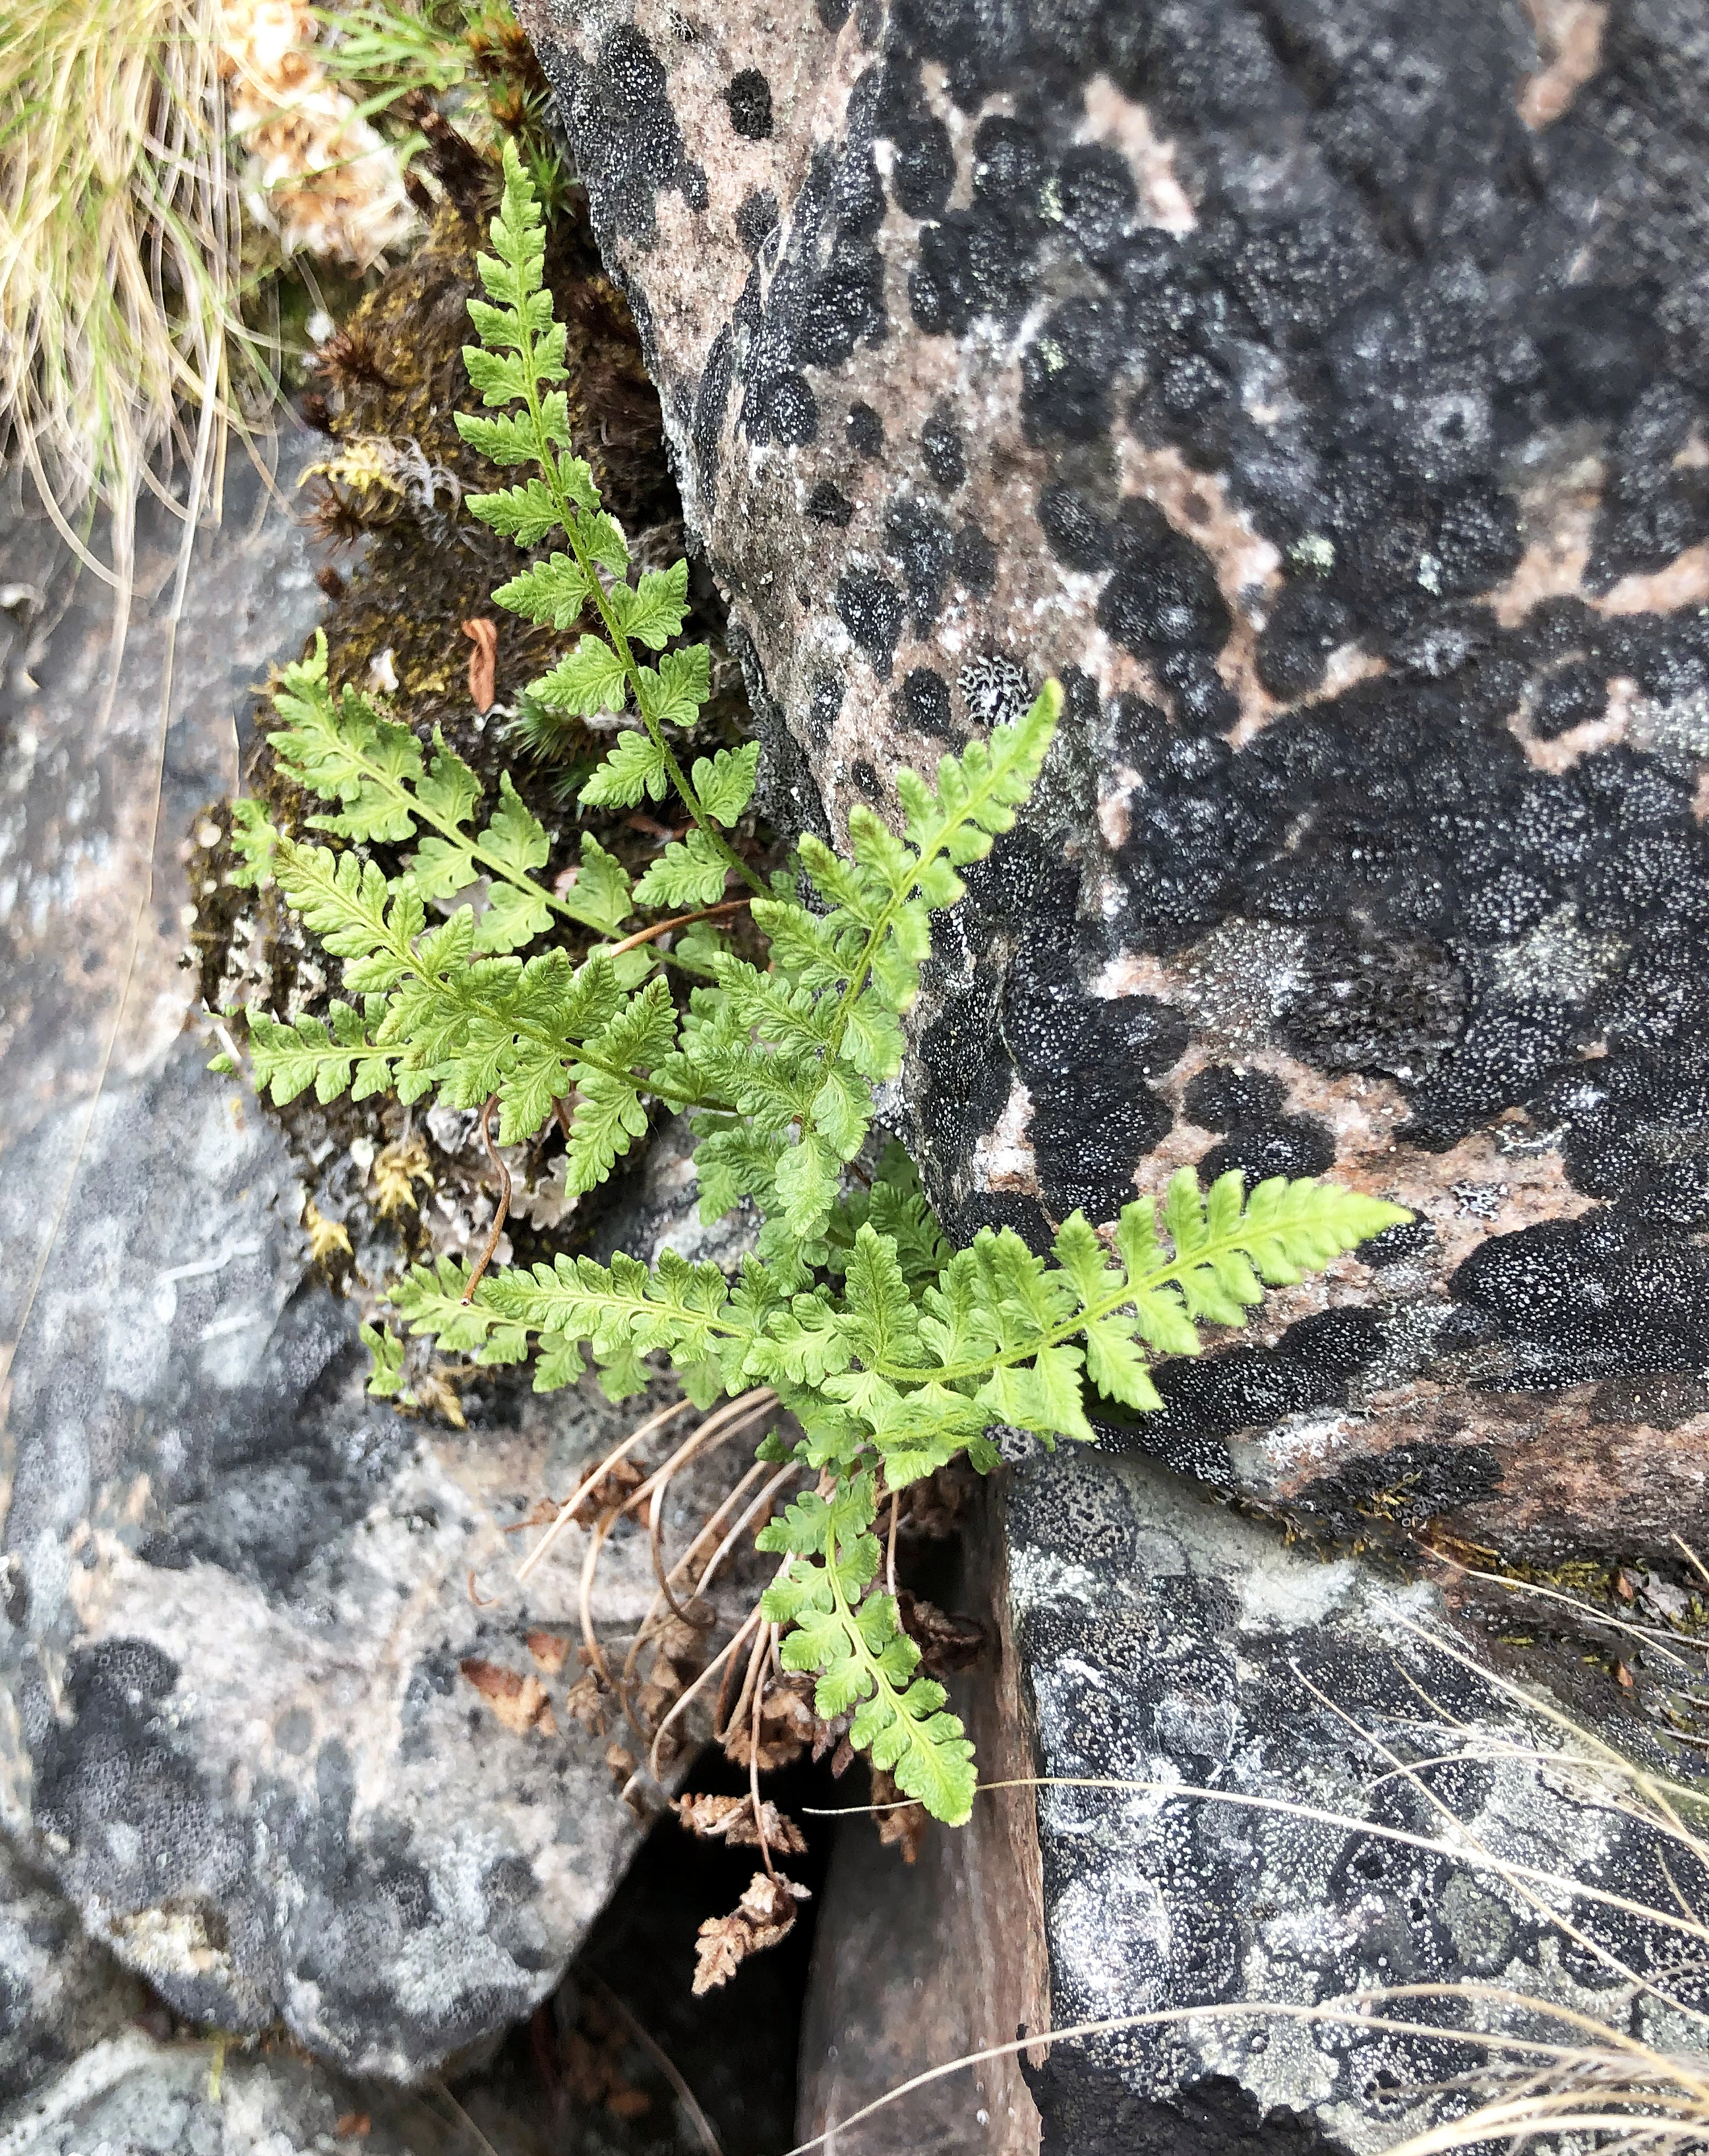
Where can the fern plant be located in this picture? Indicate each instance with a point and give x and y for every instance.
(894, 1353)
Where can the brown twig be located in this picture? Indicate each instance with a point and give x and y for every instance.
(504, 1175)
(768, 1643)
(681, 921)
(890, 1553)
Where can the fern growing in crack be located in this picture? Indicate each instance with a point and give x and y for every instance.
(894, 1353)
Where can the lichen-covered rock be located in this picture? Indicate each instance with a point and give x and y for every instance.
(1168, 1643)
(1318, 389)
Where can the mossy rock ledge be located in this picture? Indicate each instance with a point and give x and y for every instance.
(1321, 394)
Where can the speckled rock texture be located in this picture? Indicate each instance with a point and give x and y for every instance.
(1317, 387)
(277, 1723)
(60, 1992)
(1168, 1643)
(131, 2095)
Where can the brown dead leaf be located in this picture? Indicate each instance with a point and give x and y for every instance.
(621, 1761)
(904, 1829)
(947, 1643)
(613, 1489)
(354, 2126)
(551, 1649)
(519, 1701)
(482, 661)
(628, 2103)
(730, 1820)
(765, 1914)
(586, 1702)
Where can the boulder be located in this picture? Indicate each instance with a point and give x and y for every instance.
(1317, 391)
(281, 1728)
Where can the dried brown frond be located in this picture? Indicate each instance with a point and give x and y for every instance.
(549, 1649)
(482, 634)
(765, 1914)
(901, 1825)
(731, 1820)
(933, 1506)
(585, 1702)
(519, 1700)
(469, 176)
(315, 412)
(787, 1728)
(947, 1643)
(330, 580)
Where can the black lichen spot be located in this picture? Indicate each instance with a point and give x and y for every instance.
(1096, 190)
(975, 559)
(1078, 534)
(1291, 1146)
(1405, 1487)
(866, 778)
(924, 705)
(1083, 1060)
(828, 504)
(757, 220)
(1578, 692)
(748, 97)
(793, 411)
(942, 444)
(825, 703)
(994, 689)
(1224, 1096)
(1306, 622)
(710, 400)
(924, 168)
(921, 541)
(691, 183)
(980, 260)
(871, 609)
(1067, 370)
(1164, 595)
(627, 142)
(866, 431)
(833, 13)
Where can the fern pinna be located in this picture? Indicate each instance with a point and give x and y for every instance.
(894, 1353)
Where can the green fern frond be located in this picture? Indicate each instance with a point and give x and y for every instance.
(468, 977)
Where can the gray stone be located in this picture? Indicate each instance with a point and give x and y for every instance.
(60, 1992)
(132, 2096)
(1295, 385)
(282, 1727)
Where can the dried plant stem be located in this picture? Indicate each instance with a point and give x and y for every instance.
(566, 1511)
(766, 1652)
(711, 1670)
(679, 920)
(498, 1227)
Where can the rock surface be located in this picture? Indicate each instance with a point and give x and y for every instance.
(132, 2094)
(1168, 1643)
(279, 1750)
(60, 1993)
(1319, 390)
